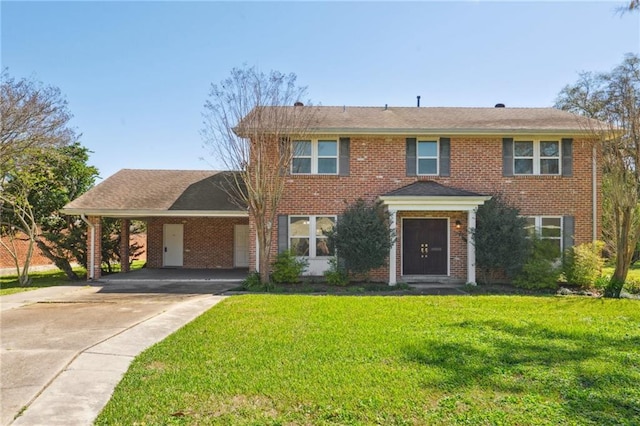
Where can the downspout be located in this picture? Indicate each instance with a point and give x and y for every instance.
(93, 246)
(594, 194)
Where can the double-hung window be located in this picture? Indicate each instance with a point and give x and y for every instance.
(318, 156)
(307, 235)
(547, 228)
(536, 157)
(427, 157)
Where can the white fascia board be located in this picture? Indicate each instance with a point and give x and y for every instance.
(434, 203)
(154, 213)
(452, 132)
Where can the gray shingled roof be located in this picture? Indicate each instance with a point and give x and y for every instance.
(133, 191)
(430, 189)
(451, 120)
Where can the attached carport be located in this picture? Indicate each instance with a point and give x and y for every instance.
(192, 220)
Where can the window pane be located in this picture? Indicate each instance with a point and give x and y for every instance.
(302, 148)
(427, 167)
(322, 248)
(327, 165)
(324, 224)
(549, 149)
(551, 227)
(299, 226)
(301, 165)
(300, 246)
(327, 148)
(523, 167)
(427, 149)
(549, 167)
(523, 149)
(530, 225)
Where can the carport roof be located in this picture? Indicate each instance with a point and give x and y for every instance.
(145, 193)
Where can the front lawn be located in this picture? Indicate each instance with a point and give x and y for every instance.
(310, 360)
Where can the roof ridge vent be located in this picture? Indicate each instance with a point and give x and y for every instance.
(499, 106)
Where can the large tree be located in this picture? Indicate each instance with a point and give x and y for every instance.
(614, 99)
(38, 190)
(249, 120)
(32, 117)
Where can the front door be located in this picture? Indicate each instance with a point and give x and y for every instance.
(173, 244)
(241, 246)
(425, 247)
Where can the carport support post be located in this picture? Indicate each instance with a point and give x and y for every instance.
(94, 243)
(124, 245)
(393, 251)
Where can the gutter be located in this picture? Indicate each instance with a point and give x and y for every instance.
(93, 246)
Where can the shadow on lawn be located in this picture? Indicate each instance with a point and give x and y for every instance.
(534, 360)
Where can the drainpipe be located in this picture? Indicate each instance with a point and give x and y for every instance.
(93, 246)
(594, 193)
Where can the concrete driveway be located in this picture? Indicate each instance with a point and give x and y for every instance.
(64, 349)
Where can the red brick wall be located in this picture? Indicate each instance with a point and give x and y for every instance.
(208, 242)
(377, 166)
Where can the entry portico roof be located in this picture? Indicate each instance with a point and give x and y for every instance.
(430, 195)
(148, 193)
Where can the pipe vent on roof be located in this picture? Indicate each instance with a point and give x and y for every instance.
(418, 98)
(499, 105)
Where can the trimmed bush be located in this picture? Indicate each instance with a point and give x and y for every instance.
(287, 268)
(583, 264)
(336, 275)
(540, 271)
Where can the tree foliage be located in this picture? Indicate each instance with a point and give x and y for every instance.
(362, 237)
(42, 186)
(249, 120)
(500, 240)
(614, 99)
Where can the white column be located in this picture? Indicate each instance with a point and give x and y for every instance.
(471, 248)
(393, 251)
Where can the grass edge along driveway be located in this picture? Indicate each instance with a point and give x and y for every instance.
(265, 359)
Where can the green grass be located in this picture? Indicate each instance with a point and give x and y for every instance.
(331, 360)
(9, 283)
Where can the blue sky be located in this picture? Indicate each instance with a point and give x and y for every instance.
(136, 74)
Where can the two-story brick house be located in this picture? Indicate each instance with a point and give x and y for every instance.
(431, 167)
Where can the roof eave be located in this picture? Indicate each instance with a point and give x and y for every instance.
(133, 213)
(447, 131)
(434, 203)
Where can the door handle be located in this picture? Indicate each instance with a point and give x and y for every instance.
(165, 249)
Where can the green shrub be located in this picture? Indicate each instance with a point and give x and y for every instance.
(362, 237)
(632, 285)
(613, 288)
(602, 282)
(500, 239)
(540, 270)
(336, 275)
(287, 268)
(252, 282)
(583, 264)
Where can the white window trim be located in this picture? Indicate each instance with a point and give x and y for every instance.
(436, 157)
(537, 157)
(538, 229)
(313, 241)
(315, 156)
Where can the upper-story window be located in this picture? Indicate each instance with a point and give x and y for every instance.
(427, 157)
(317, 156)
(536, 157)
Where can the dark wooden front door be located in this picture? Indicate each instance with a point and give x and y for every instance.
(425, 246)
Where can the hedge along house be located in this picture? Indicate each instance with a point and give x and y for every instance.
(432, 168)
(191, 220)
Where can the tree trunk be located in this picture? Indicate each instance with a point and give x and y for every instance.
(60, 262)
(623, 255)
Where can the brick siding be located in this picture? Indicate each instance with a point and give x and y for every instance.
(207, 243)
(378, 166)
